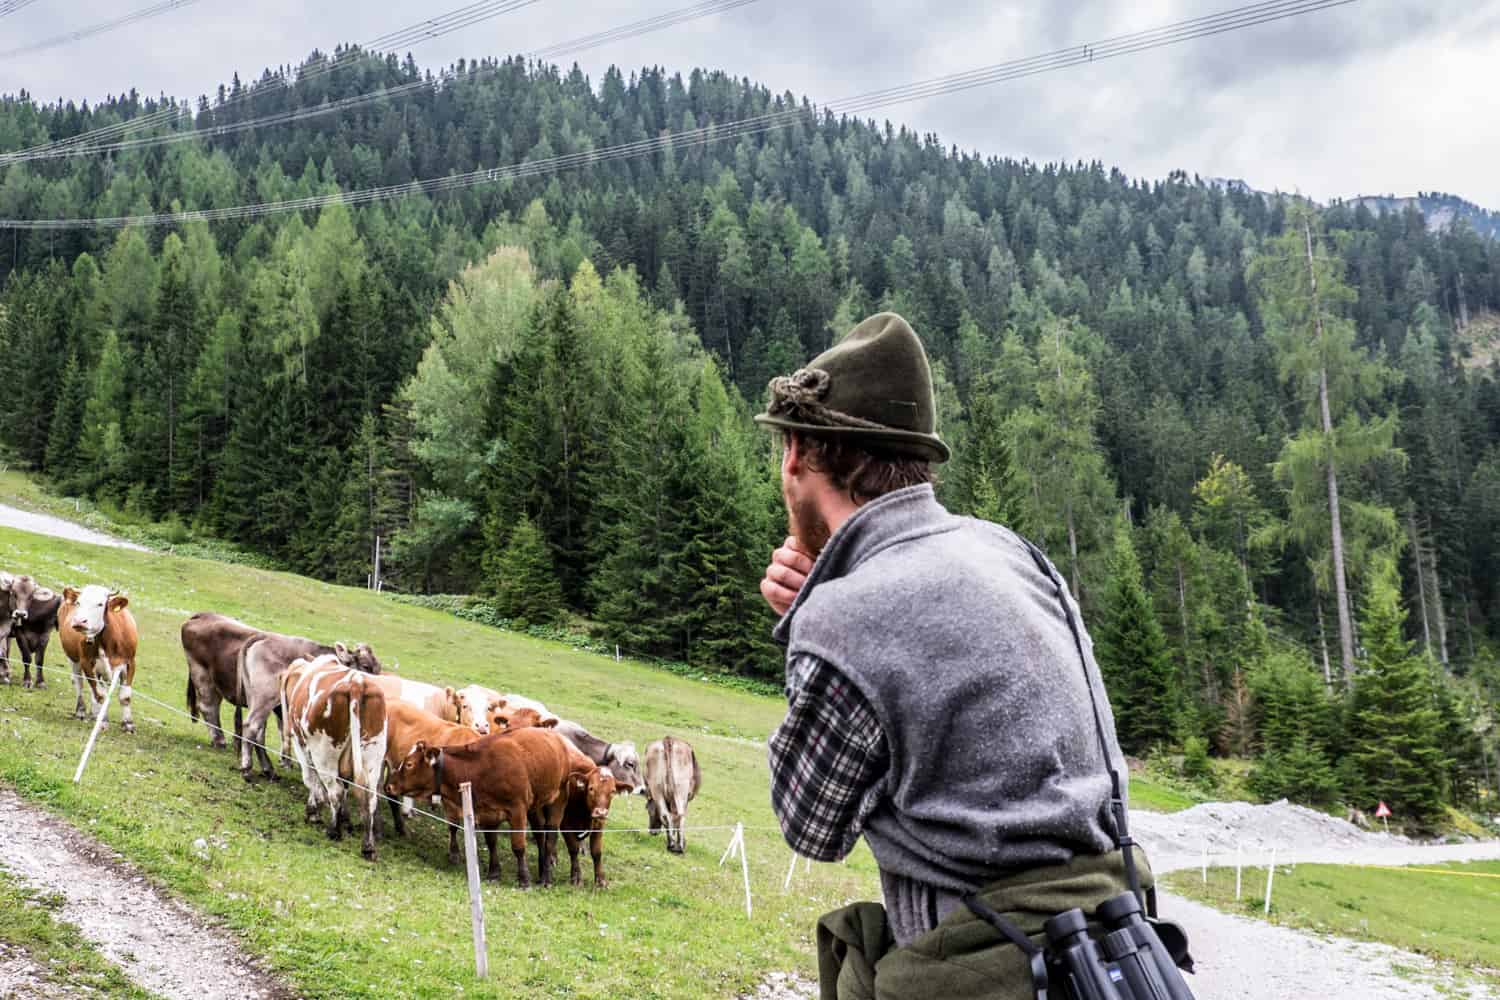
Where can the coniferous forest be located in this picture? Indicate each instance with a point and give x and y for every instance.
(538, 390)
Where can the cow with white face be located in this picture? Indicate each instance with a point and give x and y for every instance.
(98, 636)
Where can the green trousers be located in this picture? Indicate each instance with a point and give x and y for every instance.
(963, 957)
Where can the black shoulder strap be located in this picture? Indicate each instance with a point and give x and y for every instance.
(1017, 937)
(1117, 798)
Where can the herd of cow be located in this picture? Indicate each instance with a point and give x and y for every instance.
(353, 728)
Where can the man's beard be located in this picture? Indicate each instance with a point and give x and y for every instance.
(807, 525)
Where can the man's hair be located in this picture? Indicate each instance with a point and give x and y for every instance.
(863, 473)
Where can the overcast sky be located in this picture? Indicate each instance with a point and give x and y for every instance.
(1376, 97)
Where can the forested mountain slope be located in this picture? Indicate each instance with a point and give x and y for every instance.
(539, 388)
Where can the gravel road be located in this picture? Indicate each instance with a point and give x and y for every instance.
(46, 524)
(158, 943)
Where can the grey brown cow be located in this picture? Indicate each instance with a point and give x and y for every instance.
(262, 661)
(30, 614)
(212, 644)
(672, 780)
(621, 759)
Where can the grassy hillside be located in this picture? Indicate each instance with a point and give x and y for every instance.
(337, 926)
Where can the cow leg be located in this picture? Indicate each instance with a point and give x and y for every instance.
(453, 845)
(27, 656)
(517, 821)
(572, 840)
(207, 702)
(372, 761)
(254, 740)
(492, 841)
(127, 717)
(78, 710)
(552, 819)
(398, 819)
(674, 832)
(5, 658)
(653, 816)
(39, 655)
(239, 727)
(596, 849)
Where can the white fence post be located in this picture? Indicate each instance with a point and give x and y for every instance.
(1270, 875)
(476, 904)
(1237, 870)
(737, 846)
(88, 748)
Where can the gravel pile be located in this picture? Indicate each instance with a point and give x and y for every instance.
(1255, 828)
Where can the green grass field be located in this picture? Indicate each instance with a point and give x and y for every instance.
(1453, 917)
(336, 926)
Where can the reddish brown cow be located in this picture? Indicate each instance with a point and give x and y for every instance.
(591, 790)
(520, 718)
(512, 774)
(98, 637)
(337, 722)
(407, 726)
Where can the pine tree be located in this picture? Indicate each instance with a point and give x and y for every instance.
(526, 585)
(1132, 653)
(1396, 749)
(63, 462)
(984, 482)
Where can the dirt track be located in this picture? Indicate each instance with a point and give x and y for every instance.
(158, 943)
(46, 524)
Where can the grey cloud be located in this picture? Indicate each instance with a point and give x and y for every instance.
(1334, 103)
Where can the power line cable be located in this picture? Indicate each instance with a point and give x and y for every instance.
(414, 34)
(623, 32)
(11, 6)
(145, 13)
(1234, 20)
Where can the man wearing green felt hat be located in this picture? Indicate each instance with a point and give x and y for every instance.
(944, 702)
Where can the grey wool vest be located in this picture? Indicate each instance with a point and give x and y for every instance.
(958, 640)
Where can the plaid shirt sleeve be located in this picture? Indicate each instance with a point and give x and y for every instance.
(828, 762)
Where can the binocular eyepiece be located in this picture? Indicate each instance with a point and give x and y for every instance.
(1128, 963)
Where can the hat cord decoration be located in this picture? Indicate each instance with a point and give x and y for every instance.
(800, 396)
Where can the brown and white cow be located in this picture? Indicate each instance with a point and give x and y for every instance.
(512, 775)
(212, 645)
(261, 662)
(439, 701)
(98, 637)
(30, 615)
(672, 780)
(478, 705)
(337, 719)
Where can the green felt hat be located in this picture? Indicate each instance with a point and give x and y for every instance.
(874, 386)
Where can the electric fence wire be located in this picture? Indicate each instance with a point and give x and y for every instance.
(1233, 20)
(275, 754)
(11, 6)
(78, 35)
(623, 32)
(430, 28)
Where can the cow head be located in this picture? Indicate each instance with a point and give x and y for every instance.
(6, 582)
(625, 767)
(91, 606)
(24, 593)
(473, 708)
(361, 657)
(600, 788)
(521, 718)
(416, 775)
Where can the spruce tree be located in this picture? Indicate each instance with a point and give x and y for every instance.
(526, 586)
(1132, 653)
(1396, 752)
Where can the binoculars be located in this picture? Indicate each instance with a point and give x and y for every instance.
(1128, 963)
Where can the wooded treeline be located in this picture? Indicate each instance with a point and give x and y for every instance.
(540, 389)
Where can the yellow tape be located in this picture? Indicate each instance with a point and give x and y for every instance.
(1432, 871)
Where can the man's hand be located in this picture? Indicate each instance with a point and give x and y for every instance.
(789, 567)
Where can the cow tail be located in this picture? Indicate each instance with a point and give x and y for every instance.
(356, 704)
(192, 699)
